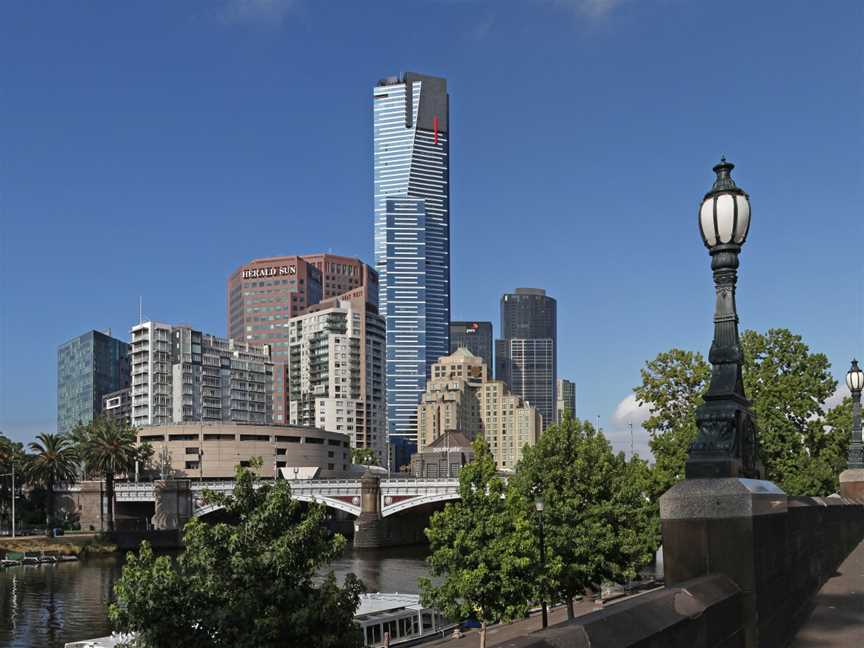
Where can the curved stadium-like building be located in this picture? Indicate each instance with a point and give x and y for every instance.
(211, 451)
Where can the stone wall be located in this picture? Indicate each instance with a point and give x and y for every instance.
(742, 563)
(704, 612)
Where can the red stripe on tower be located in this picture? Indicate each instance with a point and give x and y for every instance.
(435, 129)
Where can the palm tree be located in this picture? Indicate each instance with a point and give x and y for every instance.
(108, 447)
(55, 460)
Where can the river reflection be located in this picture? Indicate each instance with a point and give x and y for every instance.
(46, 606)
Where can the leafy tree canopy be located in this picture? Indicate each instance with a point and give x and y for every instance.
(802, 441)
(364, 456)
(246, 583)
(483, 555)
(599, 522)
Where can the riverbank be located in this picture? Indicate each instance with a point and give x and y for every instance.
(79, 544)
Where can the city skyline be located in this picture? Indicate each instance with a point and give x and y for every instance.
(617, 188)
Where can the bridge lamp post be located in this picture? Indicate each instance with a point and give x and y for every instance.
(539, 505)
(726, 443)
(12, 474)
(855, 383)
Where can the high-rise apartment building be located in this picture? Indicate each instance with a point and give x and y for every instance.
(336, 370)
(566, 399)
(509, 423)
(460, 398)
(525, 355)
(180, 374)
(474, 336)
(88, 367)
(265, 293)
(412, 235)
(450, 400)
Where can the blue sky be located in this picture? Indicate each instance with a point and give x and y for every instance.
(149, 148)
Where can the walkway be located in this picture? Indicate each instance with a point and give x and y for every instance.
(838, 616)
(498, 634)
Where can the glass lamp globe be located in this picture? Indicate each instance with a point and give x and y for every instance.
(539, 504)
(855, 377)
(724, 216)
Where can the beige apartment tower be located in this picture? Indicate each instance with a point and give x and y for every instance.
(336, 360)
(450, 400)
(460, 397)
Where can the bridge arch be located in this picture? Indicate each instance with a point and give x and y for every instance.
(413, 502)
(330, 502)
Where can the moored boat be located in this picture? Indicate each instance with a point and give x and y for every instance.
(401, 616)
(30, 558)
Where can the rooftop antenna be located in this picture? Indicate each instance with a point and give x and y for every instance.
(631, 440)
(140, 309)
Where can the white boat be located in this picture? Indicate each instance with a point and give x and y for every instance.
(402, 616)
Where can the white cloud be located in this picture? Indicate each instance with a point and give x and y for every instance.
(626, 412)
(591, 8)
(262, 13)
(836, 398)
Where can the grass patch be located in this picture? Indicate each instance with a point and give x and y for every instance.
(78, 545)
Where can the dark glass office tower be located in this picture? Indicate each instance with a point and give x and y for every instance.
(525, 355)
(88, 367)
(476, 337)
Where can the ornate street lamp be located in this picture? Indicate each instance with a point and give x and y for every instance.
(855, 383)
(539, 505)
(726, 444)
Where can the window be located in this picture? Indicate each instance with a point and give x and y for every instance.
(191, 465)
(331, 467)
(192, 451)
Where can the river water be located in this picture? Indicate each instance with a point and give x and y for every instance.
(47, 605)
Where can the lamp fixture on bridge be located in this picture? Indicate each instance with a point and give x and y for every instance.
(855, 383)
(726, 444)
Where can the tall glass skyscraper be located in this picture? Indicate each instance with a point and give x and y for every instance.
(412, 235)
(88, 367)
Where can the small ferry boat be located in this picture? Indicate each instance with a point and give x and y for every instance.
(10, 558)
(30, 558)
(402, 616)
(407, 621)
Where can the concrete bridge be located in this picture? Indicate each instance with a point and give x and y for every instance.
(372, 500)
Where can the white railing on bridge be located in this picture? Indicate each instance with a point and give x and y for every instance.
(410, 491)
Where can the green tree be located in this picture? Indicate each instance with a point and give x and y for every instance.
(55, 461)
(11, 453)
(599, 522)
(108, 447)
(364, 456)
(788, 386)
(672, 387)
(483, 557)
(250, 582)
(802, 441)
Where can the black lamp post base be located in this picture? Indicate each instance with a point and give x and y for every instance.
(726, 443)
(855, 458)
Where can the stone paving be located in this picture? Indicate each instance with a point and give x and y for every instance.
(838, 615)
(498, 634)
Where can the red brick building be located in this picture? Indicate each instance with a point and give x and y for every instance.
(265, 293)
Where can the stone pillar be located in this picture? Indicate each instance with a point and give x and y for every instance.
(369, 529)
(92, 506)
(173, 504)
(852, 484)
(736, 527)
